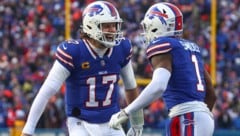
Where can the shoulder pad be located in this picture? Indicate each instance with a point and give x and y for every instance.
(158, 46)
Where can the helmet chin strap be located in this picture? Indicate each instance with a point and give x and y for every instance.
(177, 33)
(106, 44)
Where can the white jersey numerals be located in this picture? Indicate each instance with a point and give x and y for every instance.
(108, 79)
(200, 86)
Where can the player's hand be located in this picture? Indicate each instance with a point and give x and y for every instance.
(117, 119)
(25, 134)
(135, 131)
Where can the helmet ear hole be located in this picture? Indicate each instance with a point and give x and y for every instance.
(89, 27)
(154, 30)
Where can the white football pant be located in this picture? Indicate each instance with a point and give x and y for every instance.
(191, 124)
(77, 127)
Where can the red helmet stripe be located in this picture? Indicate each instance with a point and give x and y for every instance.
(111, 8)
(178, 14)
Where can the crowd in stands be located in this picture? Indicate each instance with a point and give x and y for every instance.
(30, 31)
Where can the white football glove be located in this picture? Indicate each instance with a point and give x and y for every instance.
(137, 122)
(117, 119)
(135, 131)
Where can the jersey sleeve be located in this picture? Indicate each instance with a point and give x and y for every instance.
(158, 47)
(64, 55)
(127, 51)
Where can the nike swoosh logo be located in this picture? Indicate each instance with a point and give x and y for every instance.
(155, 41)
(64, 47)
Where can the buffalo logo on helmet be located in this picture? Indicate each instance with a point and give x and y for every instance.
(155, 12)
(97, 9)
(93, 10)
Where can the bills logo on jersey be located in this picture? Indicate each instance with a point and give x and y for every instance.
(155, 12)
(93, 10)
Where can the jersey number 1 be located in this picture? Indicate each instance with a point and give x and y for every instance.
(200, 86)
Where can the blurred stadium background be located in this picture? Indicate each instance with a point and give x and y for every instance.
(30, 31)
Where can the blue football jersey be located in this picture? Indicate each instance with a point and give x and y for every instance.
(187, 78)
(92, 87)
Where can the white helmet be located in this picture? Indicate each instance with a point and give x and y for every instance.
(97, 13)
(162, 19)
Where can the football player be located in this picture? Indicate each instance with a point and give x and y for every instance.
(178, 76)
(91, 68)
